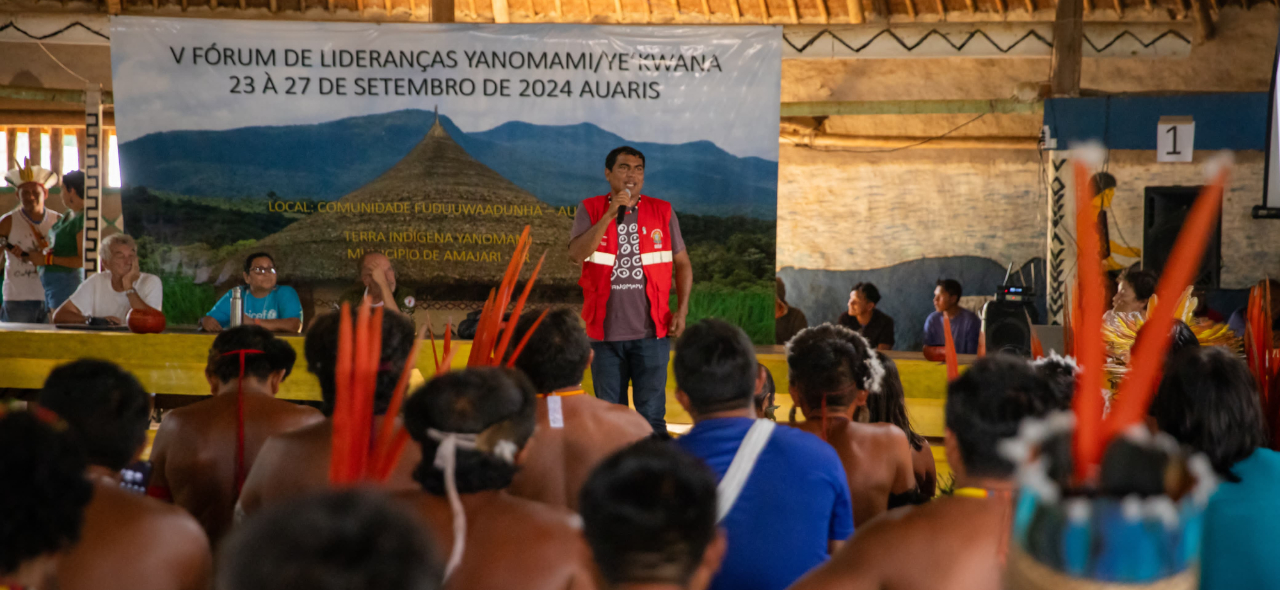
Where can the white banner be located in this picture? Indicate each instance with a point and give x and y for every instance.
(346, 133)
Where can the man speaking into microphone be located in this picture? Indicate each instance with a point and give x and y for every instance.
(631, 252)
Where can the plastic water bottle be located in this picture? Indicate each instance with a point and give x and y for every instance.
(237, 306)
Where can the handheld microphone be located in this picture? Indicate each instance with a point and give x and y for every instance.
(622, 209)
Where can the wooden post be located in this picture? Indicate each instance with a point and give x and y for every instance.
(95, 177)
(33, 145)
(81, 144)
(855, 12)
(1204, 20)
(55, 151)
(764, 10)
(11, 148)
(501, 12)
(1068, 48)
(442, 11)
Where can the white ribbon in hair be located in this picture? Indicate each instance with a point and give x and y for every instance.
(447, 461)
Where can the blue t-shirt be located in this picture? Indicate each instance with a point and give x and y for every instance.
(282, 302)
(1240, 527)
(794, 502)
(965, 328)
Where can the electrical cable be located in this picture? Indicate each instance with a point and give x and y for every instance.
(890, 150)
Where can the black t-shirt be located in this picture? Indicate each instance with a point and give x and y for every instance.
(877, 331)
(786, 327)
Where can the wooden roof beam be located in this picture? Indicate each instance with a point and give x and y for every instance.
(793, 7)
(856, 16)
(973, 7)
(1119, 7)
(823, 12)
(1031, 7)
(911, 9)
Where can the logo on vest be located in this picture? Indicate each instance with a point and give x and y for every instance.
(657, 238)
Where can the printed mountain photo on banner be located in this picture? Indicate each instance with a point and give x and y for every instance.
(558, 164)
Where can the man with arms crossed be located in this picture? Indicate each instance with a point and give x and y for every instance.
(628, 268)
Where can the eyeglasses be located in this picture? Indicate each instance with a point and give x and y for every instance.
(262, 270)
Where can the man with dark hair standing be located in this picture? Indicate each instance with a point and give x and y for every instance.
(296, 462)
(274, 307)
(965, 325)
(783, 499)
(1208, 401)
(349, 540)
(649, 514)
(631, 251)
(203, 452)
(958, 541)
(575, 431)
(473, 426)
(129, 542)
(863, 317)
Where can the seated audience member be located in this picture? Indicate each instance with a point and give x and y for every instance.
(766, 395)
(1133, 290)
(378, 281)
(965, 325)
(129, 541)
(1238, 320)
(112, 293)
(792, 504)
(649, 514)
(863, 317)
(890, 407)
(473, 426)
(43, 495)
(1060, 374)
(293, 463)
(833, 369)
(62, 270)
(274, 307)
(1208, 401)
(348, 540)
(203, 451)
(956, 541)
(788, 321)
(575, 431)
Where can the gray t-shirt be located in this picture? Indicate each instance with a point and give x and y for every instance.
(627, 315)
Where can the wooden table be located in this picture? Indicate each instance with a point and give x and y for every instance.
(173, 363)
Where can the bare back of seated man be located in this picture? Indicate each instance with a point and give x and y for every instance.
(507, 542)
(832, 371)
(294, 463)
(585, 430)
(958, 542)
(129, 542)
(199, 459)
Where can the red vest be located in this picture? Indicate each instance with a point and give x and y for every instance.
(654, 218)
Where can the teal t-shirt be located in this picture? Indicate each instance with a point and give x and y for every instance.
(282, 302)
(63, 236)
(1240, 528)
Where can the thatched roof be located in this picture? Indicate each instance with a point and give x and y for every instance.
(448, 202)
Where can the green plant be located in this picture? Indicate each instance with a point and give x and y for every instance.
(185, 301)
(750, 308)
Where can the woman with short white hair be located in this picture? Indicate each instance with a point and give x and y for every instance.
(110, 295)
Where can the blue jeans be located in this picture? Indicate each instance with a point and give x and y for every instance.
(24, 312)
(643, 365)
(59, 285)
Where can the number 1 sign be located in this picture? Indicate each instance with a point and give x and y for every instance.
(1175, 139)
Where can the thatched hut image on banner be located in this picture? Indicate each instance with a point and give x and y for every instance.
(447, 222)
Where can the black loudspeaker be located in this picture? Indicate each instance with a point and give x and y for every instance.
(1165, 208)
(1006, 327)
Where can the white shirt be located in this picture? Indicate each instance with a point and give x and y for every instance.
(96, 298)
(21, 280)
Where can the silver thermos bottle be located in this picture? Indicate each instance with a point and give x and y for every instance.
(237, 306)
